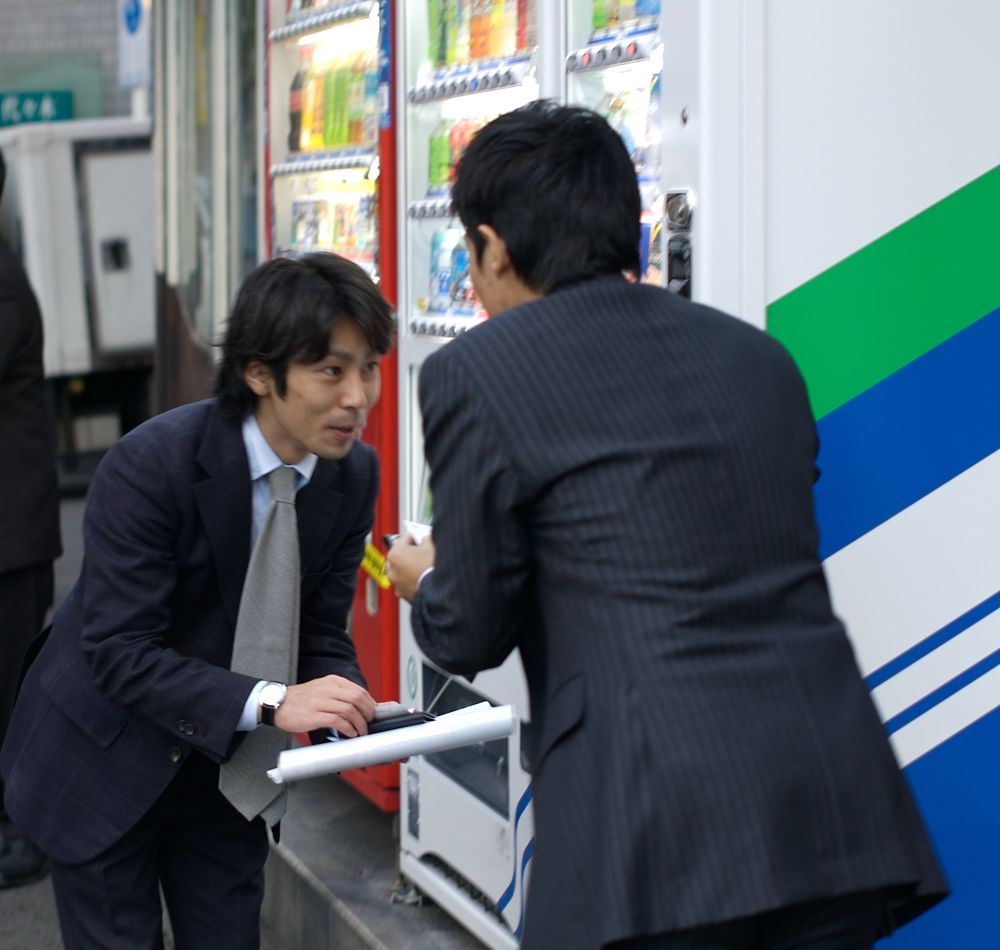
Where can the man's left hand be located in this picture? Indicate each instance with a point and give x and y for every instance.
(405, 562)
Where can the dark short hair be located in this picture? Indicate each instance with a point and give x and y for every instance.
(284, 313)
(557, 184)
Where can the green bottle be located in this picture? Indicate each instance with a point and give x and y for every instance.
(439, 159)
(329, 106)
(434, 52)
(600, 14)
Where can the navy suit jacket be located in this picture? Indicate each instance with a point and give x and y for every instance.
(622, 487)
(134, 676)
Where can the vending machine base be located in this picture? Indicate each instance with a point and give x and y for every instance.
(466, 829)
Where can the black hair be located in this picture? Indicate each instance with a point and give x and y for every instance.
(284, 313)
(557, 184)
(3, 172)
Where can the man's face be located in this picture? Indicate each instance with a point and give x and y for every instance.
(325, 404)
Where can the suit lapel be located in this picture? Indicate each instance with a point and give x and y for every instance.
(317, 506)
(223, 499)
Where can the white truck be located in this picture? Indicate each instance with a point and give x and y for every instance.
(842, 163)
(78, 207)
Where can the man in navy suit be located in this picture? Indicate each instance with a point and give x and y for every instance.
(112, 756)
(622, 486)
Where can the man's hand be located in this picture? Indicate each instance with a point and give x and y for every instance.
(405, 562)
(330, 702)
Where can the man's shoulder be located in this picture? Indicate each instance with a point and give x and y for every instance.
(176, 436)
(187, 420)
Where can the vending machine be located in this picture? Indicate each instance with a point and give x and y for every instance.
(329, 148)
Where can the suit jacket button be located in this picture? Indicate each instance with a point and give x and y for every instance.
(175, 754)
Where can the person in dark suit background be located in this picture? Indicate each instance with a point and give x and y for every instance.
(112, 760)
(622, 485)
(29, 513)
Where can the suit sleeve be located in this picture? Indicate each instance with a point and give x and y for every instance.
(129, 579)
(468, 612)
(325, 646)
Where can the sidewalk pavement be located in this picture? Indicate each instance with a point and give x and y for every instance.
(28, 914)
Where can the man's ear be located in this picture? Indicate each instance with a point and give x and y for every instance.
(258, 378)
(496, 258)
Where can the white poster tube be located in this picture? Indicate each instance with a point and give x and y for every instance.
(457, 729)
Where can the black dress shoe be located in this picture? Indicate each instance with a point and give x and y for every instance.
(21, 863)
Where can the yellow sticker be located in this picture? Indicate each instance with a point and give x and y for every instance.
(374, 564)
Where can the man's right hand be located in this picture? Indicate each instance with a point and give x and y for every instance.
(330, 702)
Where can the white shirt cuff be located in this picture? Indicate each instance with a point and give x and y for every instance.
(248, 719)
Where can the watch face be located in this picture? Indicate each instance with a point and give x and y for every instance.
(272, 694)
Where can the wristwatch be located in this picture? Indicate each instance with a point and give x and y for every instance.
(270, 697)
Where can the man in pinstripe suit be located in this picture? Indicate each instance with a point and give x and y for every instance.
(623, 490)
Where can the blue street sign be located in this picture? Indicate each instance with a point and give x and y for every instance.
(132, 9)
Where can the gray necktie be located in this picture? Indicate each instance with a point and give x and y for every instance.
(266, 646)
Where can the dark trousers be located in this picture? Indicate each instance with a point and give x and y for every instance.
(207, 859)
(851, 922)
(25, 596)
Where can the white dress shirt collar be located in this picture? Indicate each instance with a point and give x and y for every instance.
(263, 459)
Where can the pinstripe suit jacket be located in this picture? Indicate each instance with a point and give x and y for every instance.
(623, 489)
(135, 674)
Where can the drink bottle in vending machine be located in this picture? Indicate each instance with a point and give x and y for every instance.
(295, 110)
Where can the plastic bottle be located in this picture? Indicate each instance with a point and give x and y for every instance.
(341, 87)
(599, 16)
(356, 101)
(370, 121)
(527, 29)
(295, 110)
(495, 29)
(508, 27)
(312, 100)
(647, 7)
(463, 10)
(439, 159)
(435, 52)
(330, 105)
(449, 16)
(442, 244)
(479, 29)
(461, 293)
(459, 136)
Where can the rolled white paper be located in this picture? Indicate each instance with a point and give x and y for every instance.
(452, 731)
